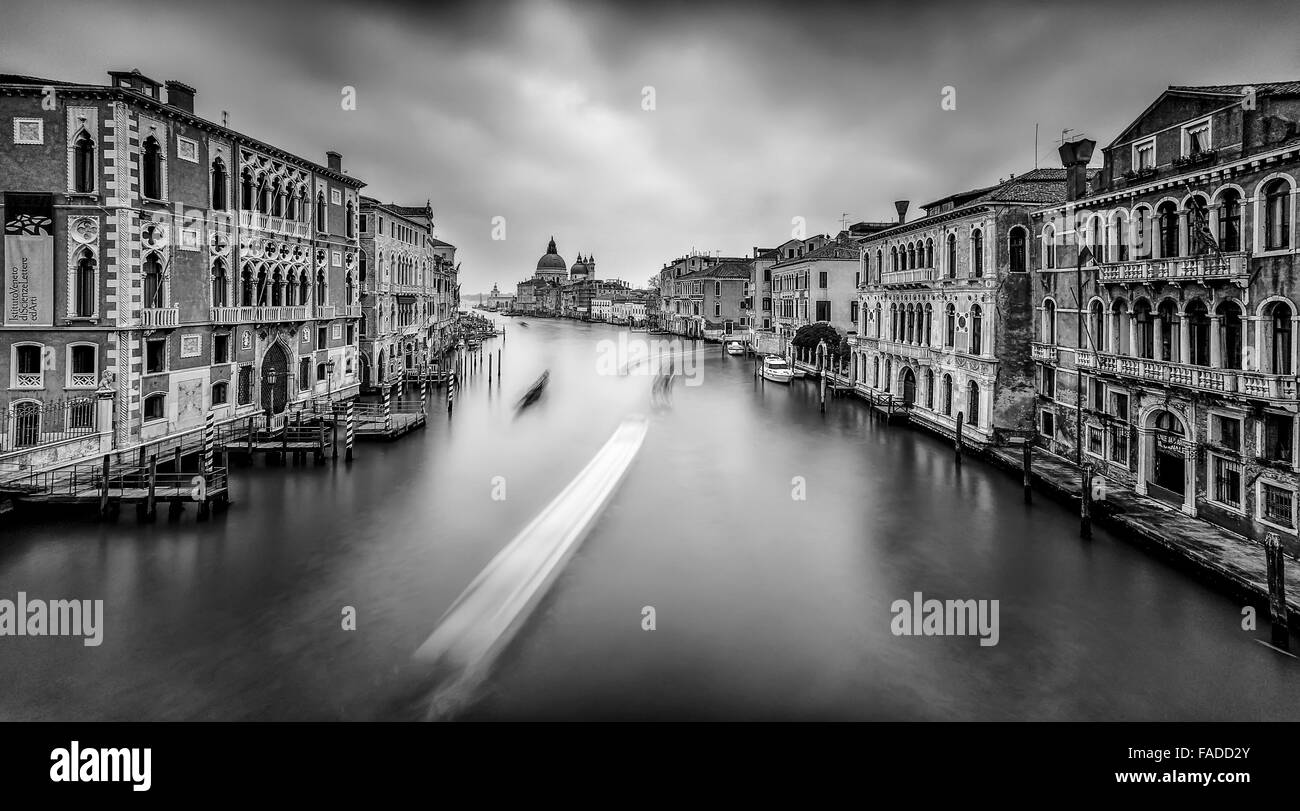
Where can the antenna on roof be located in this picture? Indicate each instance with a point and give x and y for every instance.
(1064, 133)
(225, 118)
(844, 221)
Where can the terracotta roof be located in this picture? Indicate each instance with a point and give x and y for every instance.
(1261, 88)
(839, 248)
(722, 270)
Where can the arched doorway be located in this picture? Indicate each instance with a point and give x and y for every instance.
(1168, 469)
(909, 386)
(381, 369)
(275, 379)
(364, 361)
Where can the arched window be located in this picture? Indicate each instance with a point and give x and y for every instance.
(893, 257)
(893, 322)
(950, 326)
(219, 284)
(84, 306)
(246, 190)
(976, 330)
(1277, 215)
(1142, 233)
(277, 289)
(1097, 240)
(1168, 317)
(1279, 319)
(929, 325)
(261, 287)
(1229, 334)
(291, 289)
(220, 393)
(352, 228)
(911, 256)
(303, 288)
(952, 256)
(1097, 326)
(263, 195)
(27, 424)
(219, 177)
(151, 170)
(1016, 248)
(349, 290)
(1119, 332)
(83, 164)
(320, 289)
(977, 253)
(153, 281)
(1198, 330)
(946, 399)
(82, 368)
(889, 373)
(1048, 328)
(1144, 329)
(246, 288)
(290, 204)
(1049, 248)
(29, 374)
(364, 266)
(320, 211)
(880, 261)
(929, 253)
(880, 327)
(1230, 220)
(1118, 237)
(972, 403)
(929, 388)
(155, 407)
(1168, 213)
(277, 199)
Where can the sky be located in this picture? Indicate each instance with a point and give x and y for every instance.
(538, 112)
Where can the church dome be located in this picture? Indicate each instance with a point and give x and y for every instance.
(552, 261)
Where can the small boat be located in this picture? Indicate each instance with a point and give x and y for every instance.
(735, 348)
(534, 392)
(776, 369)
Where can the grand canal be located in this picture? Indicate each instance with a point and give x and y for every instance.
(767, 607)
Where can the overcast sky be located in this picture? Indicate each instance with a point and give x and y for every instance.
(533, 111)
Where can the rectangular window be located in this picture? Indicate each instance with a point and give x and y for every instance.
(1226, 431)
(1196, 137)
(823, 311)
(1047, 424)
(821, 280)
(853, 312)
(220, 348)
(304, 374)
(336, 197)
(1098, 389)
(1225, 487)
(717, 288)
(245, 384)
(1119, 444)
(1119, 406)
(322, 337)
(220, 394)
(1277, 505)
(352, 333)
(1096, 440)
(1144, 155)
(155, 357)
(1278, 438)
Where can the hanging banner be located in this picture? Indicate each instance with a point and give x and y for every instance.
(28, 284)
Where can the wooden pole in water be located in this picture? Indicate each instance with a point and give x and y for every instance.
(1027, 462)
(1085, 502)
(956, 441)
(347, 455)
(1277, 590)
(103, 487)
(150, 508)
(334, 439)
(503, 340)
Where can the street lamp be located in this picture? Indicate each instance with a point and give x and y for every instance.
(329, 378)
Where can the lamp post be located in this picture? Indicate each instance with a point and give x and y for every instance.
(329, 378)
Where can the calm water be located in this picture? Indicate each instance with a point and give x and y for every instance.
(767, 607)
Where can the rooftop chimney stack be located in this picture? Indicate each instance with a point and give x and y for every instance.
(901, 207)
(180, 95)
(1075, 156)
(334, 161)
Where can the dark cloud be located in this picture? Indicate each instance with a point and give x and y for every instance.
(532, 110)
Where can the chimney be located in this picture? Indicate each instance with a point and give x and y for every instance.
(1075, 156)
(180, 95)
(901, 207)
(334, 161)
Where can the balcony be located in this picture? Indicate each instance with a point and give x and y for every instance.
(1173, 374)
(1044, 352)
(325, 312)
(1084, 358)
(1228, 266)
(159, 317)
(904, 277)
(352, 311)
(1266, 387)
(905, 350)
(234, 315)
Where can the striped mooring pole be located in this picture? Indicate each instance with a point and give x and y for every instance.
(209, 442)
(451, 393)
(347, 456)
(388, 409)
(424, 393)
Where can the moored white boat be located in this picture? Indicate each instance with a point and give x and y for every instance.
(735, 348)
(776, 369)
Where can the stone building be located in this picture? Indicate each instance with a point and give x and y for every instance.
(1167, 305)
(407, 287)
(815, 281)
(946, 310)
(165, 264)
